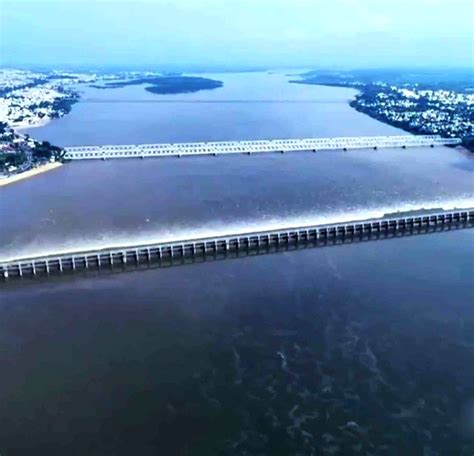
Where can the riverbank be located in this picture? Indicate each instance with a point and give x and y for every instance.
(431, 111)
(467, 143)
(30, 173)
(18, 126)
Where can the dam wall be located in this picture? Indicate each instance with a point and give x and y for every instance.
(177, 252)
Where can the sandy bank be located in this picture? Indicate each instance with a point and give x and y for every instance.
(19, 126)
(30, 173)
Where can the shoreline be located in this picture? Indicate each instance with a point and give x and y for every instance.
(30, 173)
(351, 102)
(402, 126)
(26, 126)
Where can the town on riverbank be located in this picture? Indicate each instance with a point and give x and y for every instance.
(22, 156)
(426, 103)
(32, 99)
(420, 102)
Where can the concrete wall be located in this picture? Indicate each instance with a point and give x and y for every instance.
(167, 254)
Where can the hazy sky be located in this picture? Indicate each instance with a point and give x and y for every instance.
(283, 33)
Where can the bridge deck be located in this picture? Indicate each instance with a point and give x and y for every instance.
(259, 146)
(261, 242)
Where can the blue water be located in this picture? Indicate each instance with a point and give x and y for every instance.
(356, 349)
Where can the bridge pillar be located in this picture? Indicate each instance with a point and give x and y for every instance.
(98, 261)
(124, 258)
(5, 274)
(33, 267)
(20, 270)
(47, 266)
(73, 262)
(60, 265)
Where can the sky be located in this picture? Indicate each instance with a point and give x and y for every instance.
(238, 33)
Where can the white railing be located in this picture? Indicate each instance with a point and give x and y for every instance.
(259, 146)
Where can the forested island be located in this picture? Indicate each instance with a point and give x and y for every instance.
(168, 85)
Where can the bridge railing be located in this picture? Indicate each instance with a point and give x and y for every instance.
(258, 146)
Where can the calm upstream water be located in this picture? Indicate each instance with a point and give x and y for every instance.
(359, 349)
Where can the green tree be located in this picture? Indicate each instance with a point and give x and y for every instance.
(45, 150)
(3, 161)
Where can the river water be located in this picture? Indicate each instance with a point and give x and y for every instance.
(345, 350)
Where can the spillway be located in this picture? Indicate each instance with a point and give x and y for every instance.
(216, 247)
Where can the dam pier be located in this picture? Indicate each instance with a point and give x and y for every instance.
(242, 244)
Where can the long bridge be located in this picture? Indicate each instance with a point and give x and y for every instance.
(216, 247)
(251, 147)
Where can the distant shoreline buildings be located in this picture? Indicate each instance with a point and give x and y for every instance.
(437, 112)
(29, 99)
(432, 108)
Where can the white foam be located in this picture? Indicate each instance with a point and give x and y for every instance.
(174, 234)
